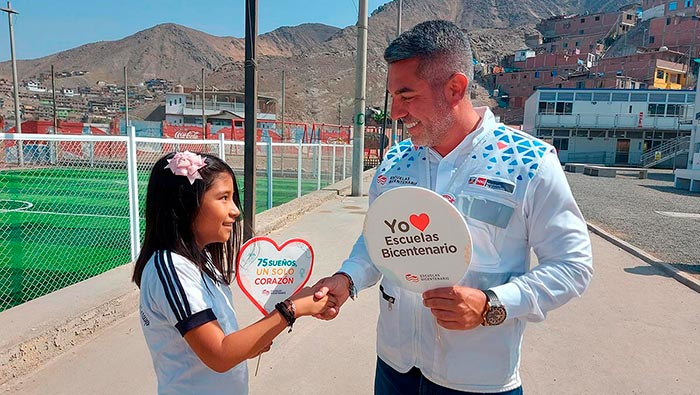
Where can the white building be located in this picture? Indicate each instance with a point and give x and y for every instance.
(523, 54)
(35, 86)
(689, 178)
(220, 107)
(613, 126)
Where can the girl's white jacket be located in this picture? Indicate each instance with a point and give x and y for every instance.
(514, 195)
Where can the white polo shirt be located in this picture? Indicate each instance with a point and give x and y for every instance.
(175, 298)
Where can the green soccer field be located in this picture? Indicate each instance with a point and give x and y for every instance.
(59, 226)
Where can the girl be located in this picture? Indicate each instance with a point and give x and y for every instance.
(184, 271)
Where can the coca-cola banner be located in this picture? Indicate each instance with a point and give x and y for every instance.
(183, 131)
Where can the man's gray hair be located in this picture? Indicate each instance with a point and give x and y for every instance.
(441, 46)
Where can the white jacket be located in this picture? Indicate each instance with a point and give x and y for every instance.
(513, 193)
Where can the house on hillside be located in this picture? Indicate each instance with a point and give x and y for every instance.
(566, 34)
(679, 33)
(671, 7)
(184, 107)
(35, 86)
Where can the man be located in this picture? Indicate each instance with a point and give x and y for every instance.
(513, 193)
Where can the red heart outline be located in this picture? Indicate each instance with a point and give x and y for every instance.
(420, 221)
(279, 248)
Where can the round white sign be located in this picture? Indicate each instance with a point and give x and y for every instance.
(417, 239)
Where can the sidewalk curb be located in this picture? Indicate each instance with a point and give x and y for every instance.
(37, 331)
(680, 276)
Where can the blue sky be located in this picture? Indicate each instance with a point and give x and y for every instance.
(44, 27)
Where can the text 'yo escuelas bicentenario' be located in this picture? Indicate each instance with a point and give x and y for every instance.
(404, 242)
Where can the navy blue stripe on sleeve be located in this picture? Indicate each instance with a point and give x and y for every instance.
(168, 288)
(195, 320)
(186, 304)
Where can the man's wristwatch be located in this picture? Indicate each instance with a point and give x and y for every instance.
(495, 313)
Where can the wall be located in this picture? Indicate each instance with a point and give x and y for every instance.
(654, 12)
(550, 60)
(677, 33)
(587, 23)
(694, 157)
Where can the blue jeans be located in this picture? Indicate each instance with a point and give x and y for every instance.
(388, 381)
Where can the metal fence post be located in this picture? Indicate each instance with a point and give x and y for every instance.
(345, 160)
(132, 172)
(299, 170)
(333, 166)
(222, 147)
(320, 152)
(269, 171)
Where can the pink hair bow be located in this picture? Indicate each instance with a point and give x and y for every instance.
(186, 164)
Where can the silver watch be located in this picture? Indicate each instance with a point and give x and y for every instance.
(495, 313)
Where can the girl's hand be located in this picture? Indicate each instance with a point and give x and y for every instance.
(307, 304)
(265, 349)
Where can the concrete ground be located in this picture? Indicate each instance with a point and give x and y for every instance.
(635, 331)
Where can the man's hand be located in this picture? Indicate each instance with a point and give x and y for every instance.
(338, 287)
(456, 308)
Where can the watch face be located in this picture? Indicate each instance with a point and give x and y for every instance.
(496, 315)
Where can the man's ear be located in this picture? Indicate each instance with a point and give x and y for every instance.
(456, 87)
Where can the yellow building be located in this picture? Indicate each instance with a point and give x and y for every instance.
(668, 75)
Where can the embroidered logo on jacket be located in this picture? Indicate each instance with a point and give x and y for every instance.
(403, 180)
(449, 197)
(492, 184)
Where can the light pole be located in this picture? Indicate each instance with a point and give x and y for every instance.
(395, 122)
(386, 98)
(251, 117)
(18, 120)
(358, 137)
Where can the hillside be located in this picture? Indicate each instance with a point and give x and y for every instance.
(168, 51)
(318, 60)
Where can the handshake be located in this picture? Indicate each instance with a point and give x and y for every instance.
(324, 299)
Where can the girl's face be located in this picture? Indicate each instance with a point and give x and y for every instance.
(217, 213)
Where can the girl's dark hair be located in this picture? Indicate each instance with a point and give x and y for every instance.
(172, 204)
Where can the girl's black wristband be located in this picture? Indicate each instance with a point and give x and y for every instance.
(286, 312)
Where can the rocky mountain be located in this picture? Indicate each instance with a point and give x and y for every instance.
(169, 51)
(318, 60)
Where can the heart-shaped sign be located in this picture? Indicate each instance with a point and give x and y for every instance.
(268, 274)
(417, 239)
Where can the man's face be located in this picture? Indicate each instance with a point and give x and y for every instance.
(423, 109)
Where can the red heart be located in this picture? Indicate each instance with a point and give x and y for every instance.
(419, 221)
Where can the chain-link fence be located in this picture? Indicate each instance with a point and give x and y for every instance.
(65, 209)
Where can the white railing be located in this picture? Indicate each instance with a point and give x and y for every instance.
(613, 121)
(669, 149)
